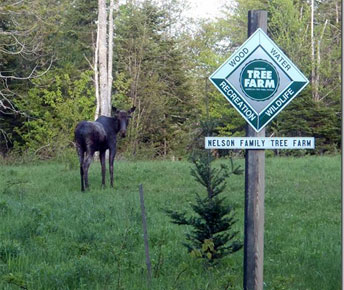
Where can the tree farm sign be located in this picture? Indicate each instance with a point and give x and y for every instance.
(259, 143)
(259, 80)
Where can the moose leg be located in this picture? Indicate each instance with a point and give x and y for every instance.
(82, 178)
(102, 162)
(87, 163)
(81, 160)
(111, 160)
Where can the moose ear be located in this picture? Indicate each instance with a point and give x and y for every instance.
(114, 110)
(131, 110)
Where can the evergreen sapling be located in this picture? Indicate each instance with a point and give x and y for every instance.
(212, 236)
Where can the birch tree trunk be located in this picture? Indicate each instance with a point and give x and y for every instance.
(105, 106)
(96, 76)
(110, 54)
(317, 74)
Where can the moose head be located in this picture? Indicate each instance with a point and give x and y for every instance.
(122, 117)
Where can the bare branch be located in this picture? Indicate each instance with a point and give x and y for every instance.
(329, 92)
(40, 148)
(17, 42)
(17, 3)
(89, 62)
(6, 106)
(31, 75)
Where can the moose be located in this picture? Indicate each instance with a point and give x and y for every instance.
(100, 135)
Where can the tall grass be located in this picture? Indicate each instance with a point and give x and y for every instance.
(52, 236)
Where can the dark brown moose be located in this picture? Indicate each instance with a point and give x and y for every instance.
(100, 136)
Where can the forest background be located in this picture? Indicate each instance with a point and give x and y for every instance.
(161, 64)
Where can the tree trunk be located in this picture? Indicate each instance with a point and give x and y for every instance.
(96, 76)
(317, 75)
(105, 106)
(110, 54)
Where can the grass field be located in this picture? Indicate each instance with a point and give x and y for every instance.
(52, 236)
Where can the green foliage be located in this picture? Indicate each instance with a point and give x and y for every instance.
(212, 178)
(32, 38)
(212, 236)
(53, 107)
(152, 68)
(306, 117)
(122, 87)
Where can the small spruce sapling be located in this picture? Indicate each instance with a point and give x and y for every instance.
(212, 236)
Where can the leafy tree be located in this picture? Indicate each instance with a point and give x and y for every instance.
(152, 69)
(34, 39)
(53, 108)
(21, 57)
(315, 112)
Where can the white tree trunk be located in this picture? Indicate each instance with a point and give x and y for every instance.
(96, 76)
(110, 54)
(104, 59)
(105, 106)
(317, 74)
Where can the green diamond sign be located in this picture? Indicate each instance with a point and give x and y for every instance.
(259, 80)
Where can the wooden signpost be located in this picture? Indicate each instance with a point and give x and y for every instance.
(259, 80)
(254, 191)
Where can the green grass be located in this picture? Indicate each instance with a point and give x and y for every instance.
(52, 236)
